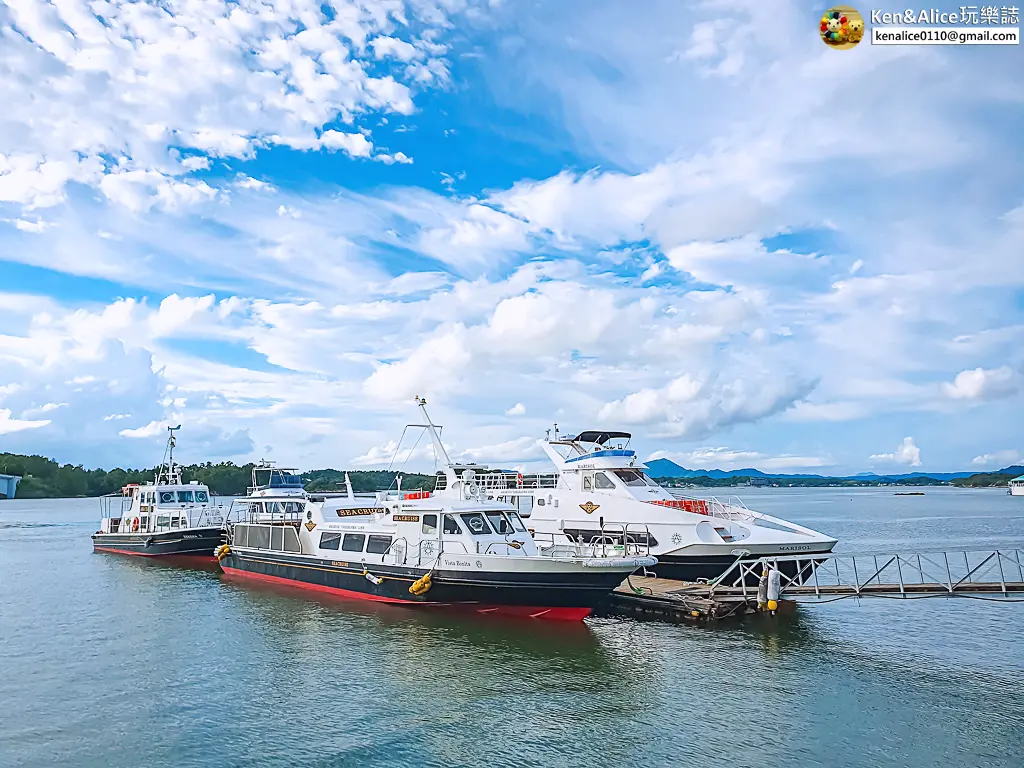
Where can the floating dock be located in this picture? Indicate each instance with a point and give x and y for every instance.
(993, 574)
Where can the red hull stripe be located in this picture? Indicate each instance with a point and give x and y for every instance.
(524, 611)
(174, 555)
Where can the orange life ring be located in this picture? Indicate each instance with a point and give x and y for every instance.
(135, 525)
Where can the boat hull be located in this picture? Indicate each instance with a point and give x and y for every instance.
(192, 542)
(567, 596)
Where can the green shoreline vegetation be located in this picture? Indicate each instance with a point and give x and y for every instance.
(44, 478)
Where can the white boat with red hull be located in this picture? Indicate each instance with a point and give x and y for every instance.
(452, 549)
(167, 518)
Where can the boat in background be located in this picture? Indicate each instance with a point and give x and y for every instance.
(453, 549)
(1016, 486)
(165, 518)
(600, 494)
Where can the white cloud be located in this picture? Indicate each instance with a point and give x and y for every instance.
(693, 408)
(398, 157)
(149, 430)
(906, 453)
(999, 458)
(982, 384)
(113, 88)
(730, 459)
(353, 144)
(196, 163)
(9, 425)
(516, 410)
(384, 47)
(389, 455)
(521, 449)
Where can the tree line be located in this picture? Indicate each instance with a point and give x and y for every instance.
(44, 478)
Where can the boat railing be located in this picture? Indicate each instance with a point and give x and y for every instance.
(272, 510)
(732, 508)
(394, 550)
(505, 481)
(612, 539)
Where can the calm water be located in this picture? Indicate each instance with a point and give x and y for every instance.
(108, 661)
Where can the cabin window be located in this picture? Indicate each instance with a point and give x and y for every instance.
(477, 525)
(277, 538)
(353, 542)
(588, 483)
(516, 522)
(202, 496)
(291, 540)
(602, 481)
(166, 497)
(259, 536)
(145, 522)
(500, 523)
(330, 540)
(184, 496)
(525, 505)
(633, 478)
(451, 525)
(378, 545)
(292, 508)
(429, 524)
(163, 521)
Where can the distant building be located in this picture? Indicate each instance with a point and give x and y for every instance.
(760, 482)
(8, 486)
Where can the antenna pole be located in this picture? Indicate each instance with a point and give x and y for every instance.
(438, 447)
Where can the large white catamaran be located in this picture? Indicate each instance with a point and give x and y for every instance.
(600, 493)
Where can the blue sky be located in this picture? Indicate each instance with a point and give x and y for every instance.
(276, 223)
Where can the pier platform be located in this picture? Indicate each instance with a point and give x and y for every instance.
(992, 574)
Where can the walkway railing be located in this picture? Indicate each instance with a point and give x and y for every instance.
(984, 573)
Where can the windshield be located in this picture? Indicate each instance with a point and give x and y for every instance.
(634, 478)
(516, 522)
(500, 523)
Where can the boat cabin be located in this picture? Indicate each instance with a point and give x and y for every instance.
(397, 528)
(168, 503)
(268, 479)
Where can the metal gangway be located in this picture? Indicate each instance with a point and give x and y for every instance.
(987, 574)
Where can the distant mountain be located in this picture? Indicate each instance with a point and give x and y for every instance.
(1016, 470)
(668, 468)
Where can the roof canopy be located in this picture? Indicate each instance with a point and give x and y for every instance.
(599, 436)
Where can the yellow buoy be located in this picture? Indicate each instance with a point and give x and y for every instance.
(421, 585)
(772, 605)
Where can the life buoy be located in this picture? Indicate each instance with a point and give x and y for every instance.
(135, 525)
(519, 480)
